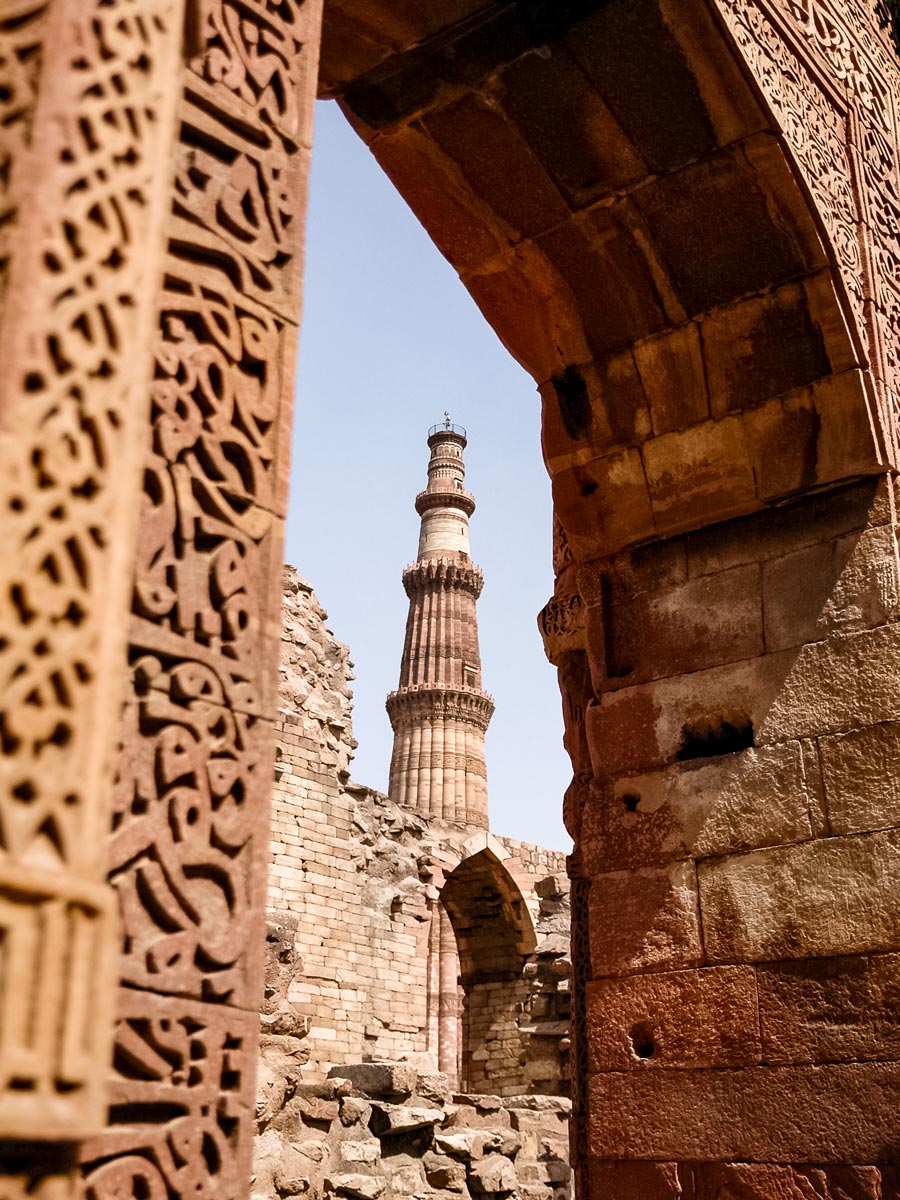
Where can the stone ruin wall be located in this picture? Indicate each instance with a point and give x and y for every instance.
(353, 886)
(356, 879)
(384, 1131)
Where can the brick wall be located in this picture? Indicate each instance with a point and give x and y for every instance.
(358, 880)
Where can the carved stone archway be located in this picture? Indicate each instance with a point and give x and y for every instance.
(682, 218)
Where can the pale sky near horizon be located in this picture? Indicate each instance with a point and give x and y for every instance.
(390, 339)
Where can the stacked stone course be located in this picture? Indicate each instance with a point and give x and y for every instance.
(383, 1131)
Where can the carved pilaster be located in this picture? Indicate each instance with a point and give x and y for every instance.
(89, 90)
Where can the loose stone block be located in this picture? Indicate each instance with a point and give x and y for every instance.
(830, 1009)
(367, 1151)
(364, 1187)
(492, 1175)
(862, 783)
(378, 1079)
(644, 919)
(697, 809)
(833, 1113)
(701, 1018)
(827, 897)
(443, 1172)
(400, 1118)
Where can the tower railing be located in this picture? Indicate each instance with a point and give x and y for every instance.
(447, 427)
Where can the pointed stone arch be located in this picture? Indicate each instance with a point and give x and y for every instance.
(495, 939)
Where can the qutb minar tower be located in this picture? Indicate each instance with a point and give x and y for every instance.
(439, 713)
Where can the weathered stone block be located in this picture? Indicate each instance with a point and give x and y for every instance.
(776, 532)
(400, 1118)
(754, 187)
(586, 158)
(292, 1174)
(676, 630)
(827, 897)
(703, 1018)
(843, 683)
(696, 809)
(603, 504)
(700, 474)
(752, 1181)
(454, 216)
(830, 1009)
(466, 1143)
(634, 1180)
(671, 370)
(407, 1175)
(378, 1079)
(862, 784)
(813, 436)
(434, 1086)
(498, 165)
(444, 1172)
(638, 728)
(645, 919)
(591, 410)
(761, 347)
(367, 1150)
(617, 296)
(492, 1175)
(470, 1117)
(835, 1113)
(838, 586)
(365, 1187)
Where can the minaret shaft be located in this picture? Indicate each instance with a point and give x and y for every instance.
(439, 712)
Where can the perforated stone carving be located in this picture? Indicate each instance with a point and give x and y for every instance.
(83, 185)
(832, 79)
(195, 763)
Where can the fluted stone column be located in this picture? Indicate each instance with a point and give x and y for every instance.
(439, 712)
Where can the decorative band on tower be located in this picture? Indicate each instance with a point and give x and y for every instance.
(439, 712)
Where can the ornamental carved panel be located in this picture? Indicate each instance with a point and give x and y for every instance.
(830, 72)
(86, 124)
(190, 814)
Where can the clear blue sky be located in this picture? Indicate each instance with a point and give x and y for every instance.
(390, 339)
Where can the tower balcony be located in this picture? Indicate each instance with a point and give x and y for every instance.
(449, 498)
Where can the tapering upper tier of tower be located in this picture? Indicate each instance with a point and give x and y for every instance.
(439, 712)
(445, 506)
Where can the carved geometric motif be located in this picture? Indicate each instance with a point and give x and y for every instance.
(22, 28)
(190, 824)
(182, 1101)
(84, 150)
(832, 78)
